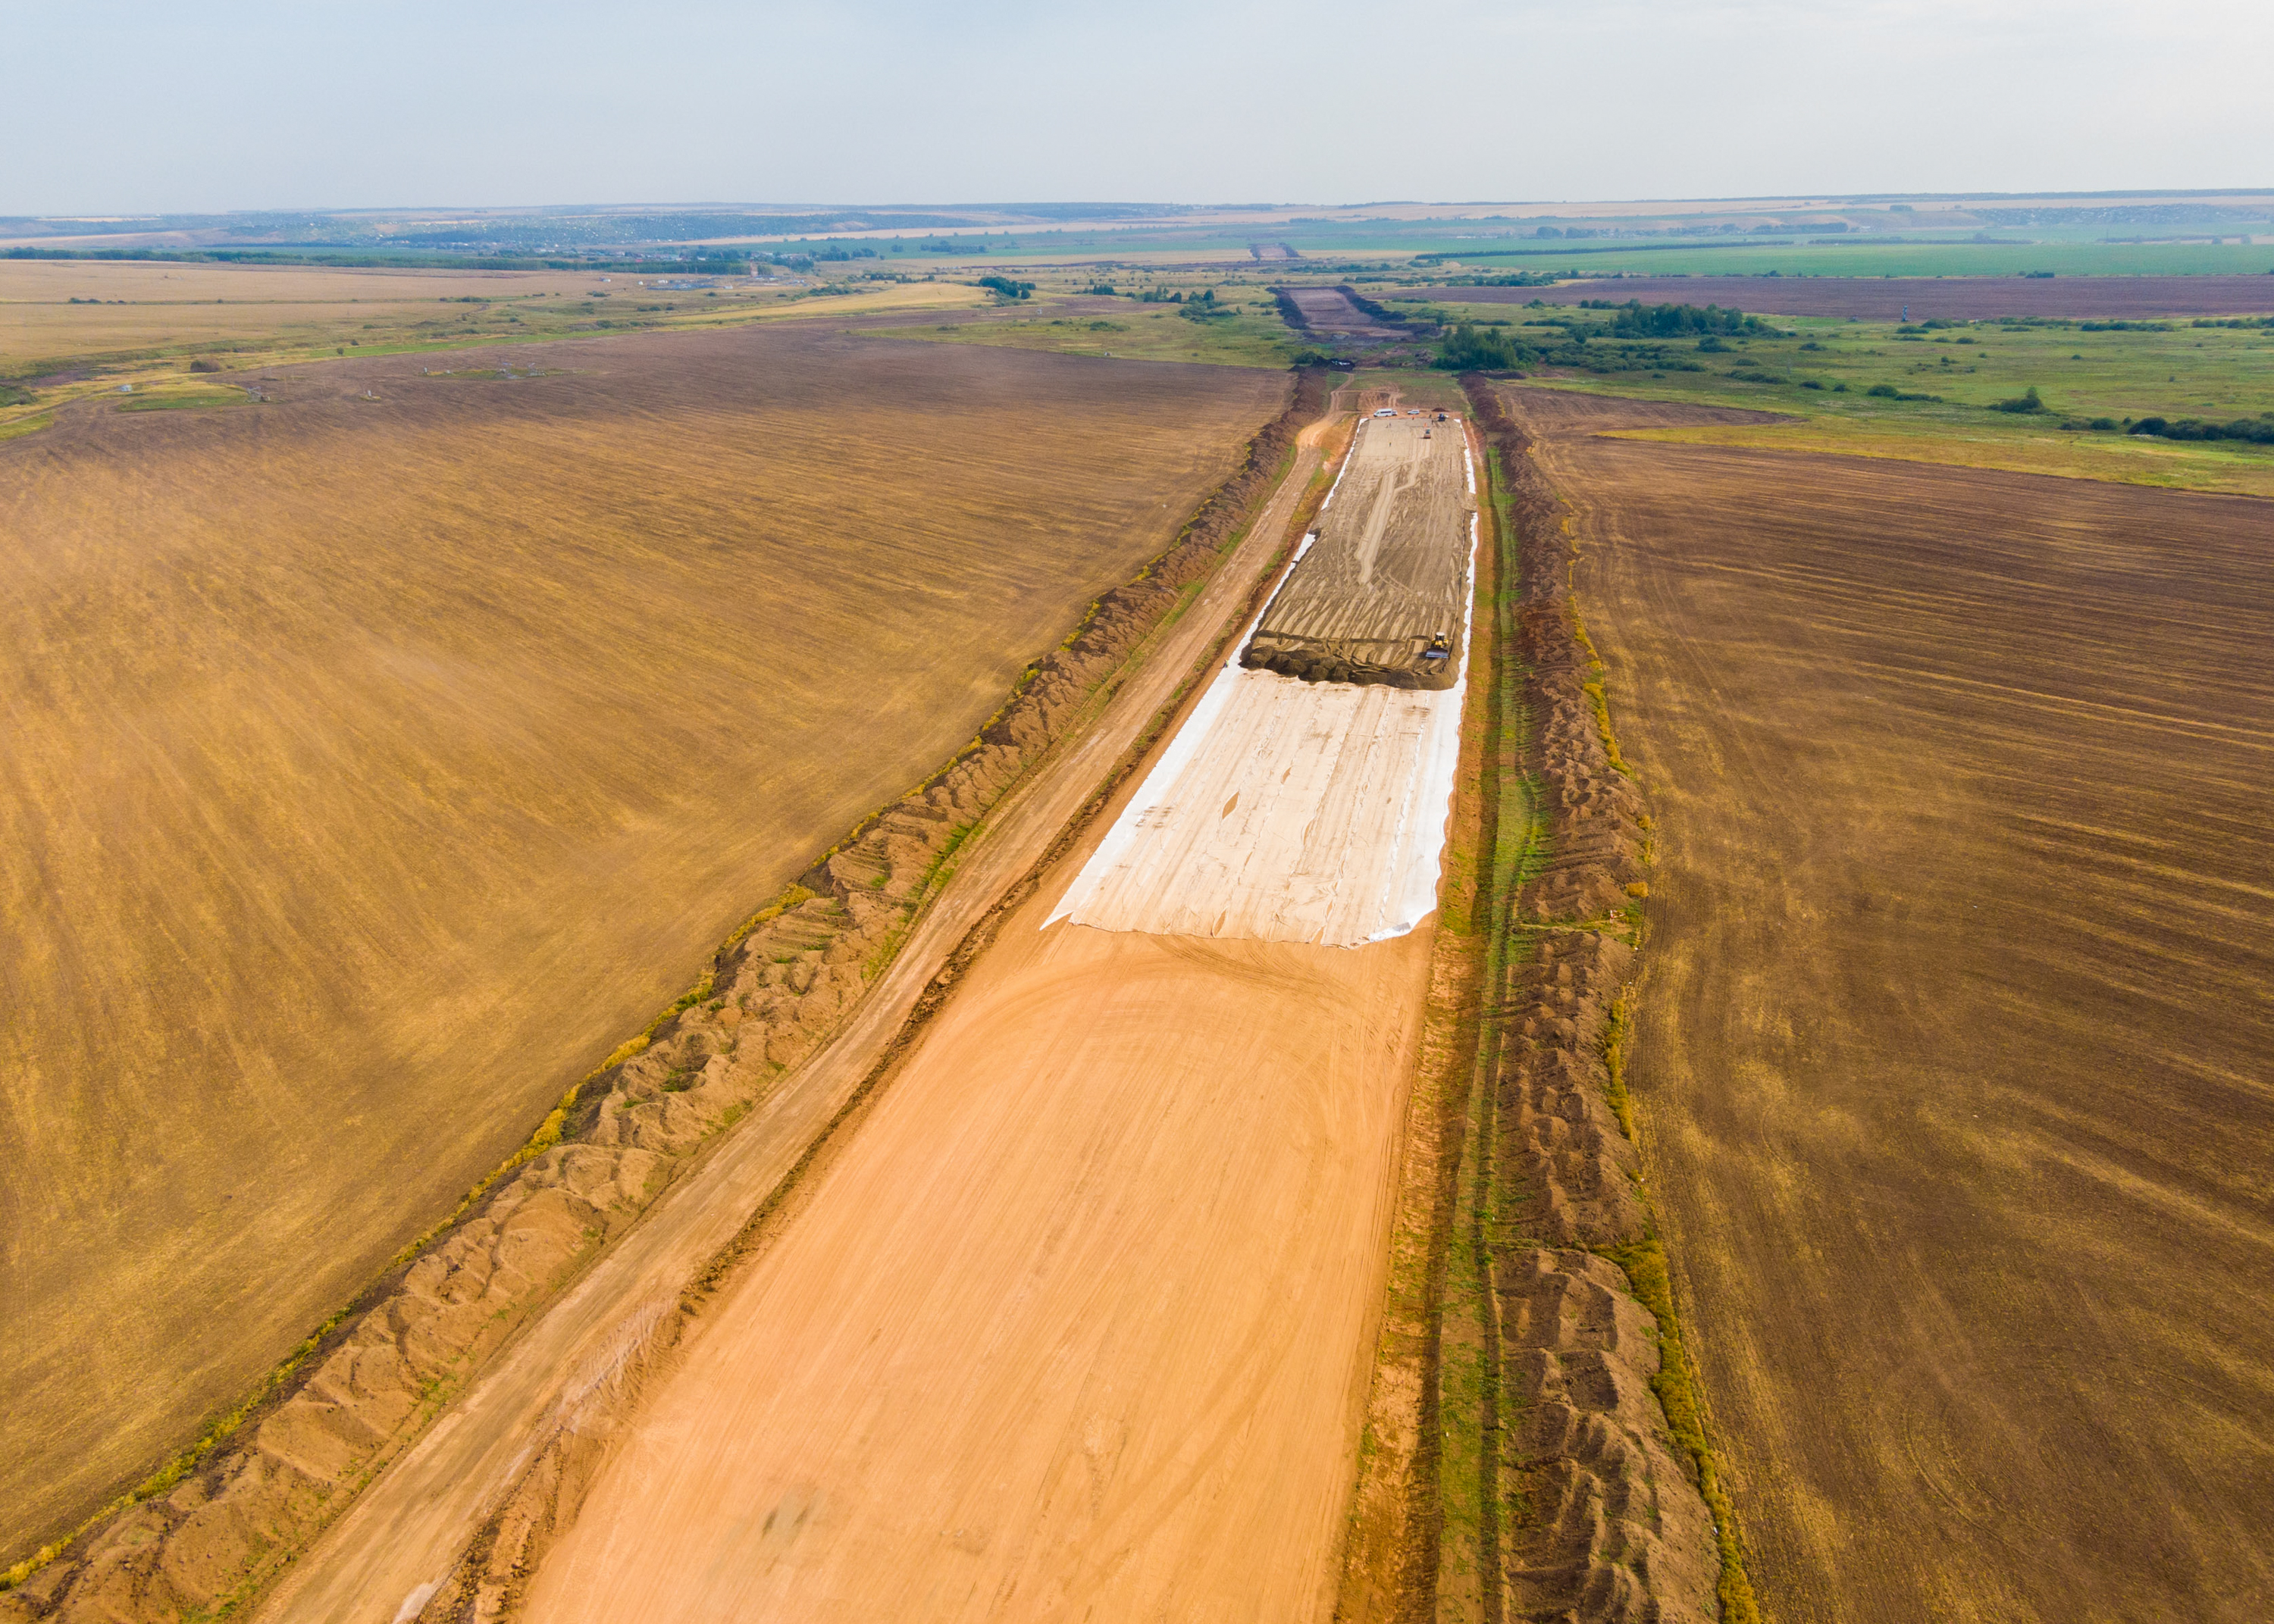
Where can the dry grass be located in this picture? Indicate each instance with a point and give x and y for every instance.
(376, 764)
(130, 320)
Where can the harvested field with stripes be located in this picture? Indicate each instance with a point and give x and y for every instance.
(383, 755)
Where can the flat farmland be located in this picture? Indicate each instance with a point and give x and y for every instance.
(1884, 298)
(64, 318)
(1952, 1052)
(380, 757)
(51, 309)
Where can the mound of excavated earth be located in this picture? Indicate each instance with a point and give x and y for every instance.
(1381, 593)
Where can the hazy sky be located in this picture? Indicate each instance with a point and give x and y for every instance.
(127, 106)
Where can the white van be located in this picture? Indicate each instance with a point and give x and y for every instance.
(1386, 411)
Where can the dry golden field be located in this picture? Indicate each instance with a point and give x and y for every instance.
(135, 306)
(380, 756)
(1951, 1052)
(71, 315)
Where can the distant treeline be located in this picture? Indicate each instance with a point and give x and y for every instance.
(1470, 349)
(711, 265)
(1486, 349)
(1512, 279)
(2257, 431)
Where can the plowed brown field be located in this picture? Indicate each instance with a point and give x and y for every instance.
(374, 766)
(1953, 1050)
(1883, 299)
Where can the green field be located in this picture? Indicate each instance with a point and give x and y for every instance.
(1250, 333)
(1818, 370)
(182, 400)
(1340, 247)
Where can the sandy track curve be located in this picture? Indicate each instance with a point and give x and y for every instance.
(405, 1531)
(1079, 1328)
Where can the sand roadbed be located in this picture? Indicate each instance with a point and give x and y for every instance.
(1077, 1328)
(1078, 1324)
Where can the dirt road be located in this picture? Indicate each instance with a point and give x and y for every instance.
(1952, 1054)
(1078, 1328)
(374, 767)
(1079, 1324)
(405, 1531)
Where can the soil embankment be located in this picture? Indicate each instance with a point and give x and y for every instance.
(1950, 1056)
(1072, 1328)
(1522, 1463)
(1330, 313)
(777, 990)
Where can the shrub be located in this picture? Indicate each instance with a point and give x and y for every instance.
(1004, 287)
(1635, 320)
(2259, 432)
(1475, 349)
(2028, 400)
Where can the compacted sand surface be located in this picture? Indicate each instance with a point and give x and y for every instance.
(1951, 1055)
(1078, 1328)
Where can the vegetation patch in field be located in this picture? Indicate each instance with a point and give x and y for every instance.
(1943, 390)
(182, 400)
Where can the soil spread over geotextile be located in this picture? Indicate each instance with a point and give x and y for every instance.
(1378, 597)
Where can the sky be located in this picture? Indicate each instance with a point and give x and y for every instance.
(127, 106)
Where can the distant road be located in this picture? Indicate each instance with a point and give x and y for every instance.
(1883, 299)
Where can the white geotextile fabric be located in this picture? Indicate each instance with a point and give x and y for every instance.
(1287, 811)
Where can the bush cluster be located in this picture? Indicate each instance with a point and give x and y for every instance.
(2256, 431)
